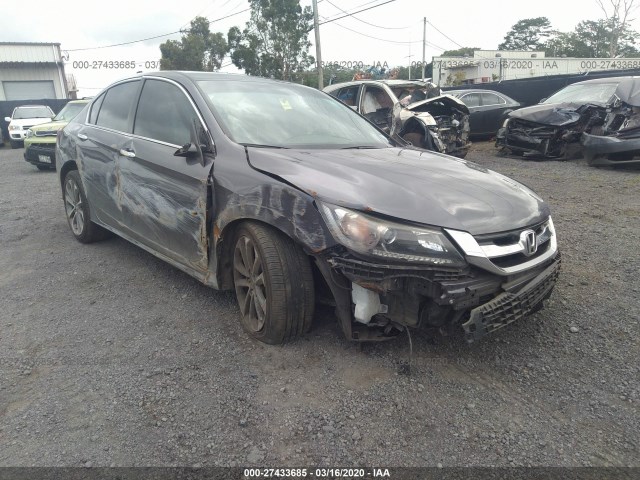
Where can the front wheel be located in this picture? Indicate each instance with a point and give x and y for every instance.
(78, 212)
(15, 145)
(274, 284)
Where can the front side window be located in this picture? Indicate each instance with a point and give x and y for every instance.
(287, 116)
(471, 99)
(164, 113)
(375, 99)
(114, 112)
(69, 112)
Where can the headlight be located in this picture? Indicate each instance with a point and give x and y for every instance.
(505, 123)
(389, 240)
(14, 127)
(29, 133)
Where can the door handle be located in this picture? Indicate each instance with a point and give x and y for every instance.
(82, 136)
(127, 153)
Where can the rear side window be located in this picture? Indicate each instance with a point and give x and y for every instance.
(114, 112)
(348, 95)
(164, 113)
(95, 108)
(491, 99)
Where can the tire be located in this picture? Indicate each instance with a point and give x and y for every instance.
(274, 284)
(14, 145)
(78, 211)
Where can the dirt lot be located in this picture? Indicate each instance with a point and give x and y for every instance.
(110, 357)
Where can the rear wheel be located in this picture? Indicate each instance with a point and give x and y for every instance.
(274, 284)
(78, 212)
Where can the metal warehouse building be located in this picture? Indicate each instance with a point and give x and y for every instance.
(31, 71)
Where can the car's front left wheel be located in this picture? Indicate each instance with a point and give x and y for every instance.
(274, 284)
(78, 212)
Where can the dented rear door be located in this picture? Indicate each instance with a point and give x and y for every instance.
(164, 197)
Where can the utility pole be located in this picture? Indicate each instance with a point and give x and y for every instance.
(424, 46)
(318, 50)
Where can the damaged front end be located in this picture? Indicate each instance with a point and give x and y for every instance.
(551, 133)
(619, 143)
(496, 283)
(440, 124)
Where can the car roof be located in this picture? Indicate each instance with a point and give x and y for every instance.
(605, 80)
(82, 100)
(33, 106)
(390, 83)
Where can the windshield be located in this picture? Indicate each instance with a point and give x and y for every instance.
(287, 116)
(32, 112)
(584, 93)
(69, 112)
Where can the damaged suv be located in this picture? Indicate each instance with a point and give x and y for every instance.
(554, 128)
(414, 110)
(286, 195)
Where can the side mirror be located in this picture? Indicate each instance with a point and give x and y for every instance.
(194, 148)
(7, 119)
(187, 150)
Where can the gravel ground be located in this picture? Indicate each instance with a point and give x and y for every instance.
(108, 356)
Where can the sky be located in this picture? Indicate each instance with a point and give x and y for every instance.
(390, 32)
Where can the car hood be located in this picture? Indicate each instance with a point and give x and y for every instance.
(53, 126)
(411, 185)
(30, 121)
(556, 114)
(447, 100)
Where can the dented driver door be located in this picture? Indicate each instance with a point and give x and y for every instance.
(165, 197)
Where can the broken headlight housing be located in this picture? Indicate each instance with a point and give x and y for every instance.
(389, 240)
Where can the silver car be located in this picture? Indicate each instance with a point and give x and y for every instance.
(414, 110)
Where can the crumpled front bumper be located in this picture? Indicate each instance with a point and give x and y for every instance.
(604, 151)
(510, 306)
(415, 297)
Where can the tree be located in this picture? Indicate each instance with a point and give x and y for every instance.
(198, 49)
(618, 20)
(528, 34)
(275, 41)
(591, 39)
(461, 52)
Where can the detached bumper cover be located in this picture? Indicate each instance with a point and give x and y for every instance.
(600, 150)
(508, 307)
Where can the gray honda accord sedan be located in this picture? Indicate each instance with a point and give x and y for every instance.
(286, 195)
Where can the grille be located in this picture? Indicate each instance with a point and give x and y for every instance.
(507, 307)
(46, 133)
(498, 246)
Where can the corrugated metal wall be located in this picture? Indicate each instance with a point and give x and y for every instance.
(30, 53)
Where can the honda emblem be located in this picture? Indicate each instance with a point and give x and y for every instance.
(529, 241)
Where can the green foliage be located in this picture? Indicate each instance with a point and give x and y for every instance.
(527, 34)
(275, 41)
(198, 49)
(461, 52)
(592, 39)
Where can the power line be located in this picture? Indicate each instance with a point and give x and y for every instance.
(373, 25)
(444, 35)
(353, 13)
(152, 38)
(376, 38)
